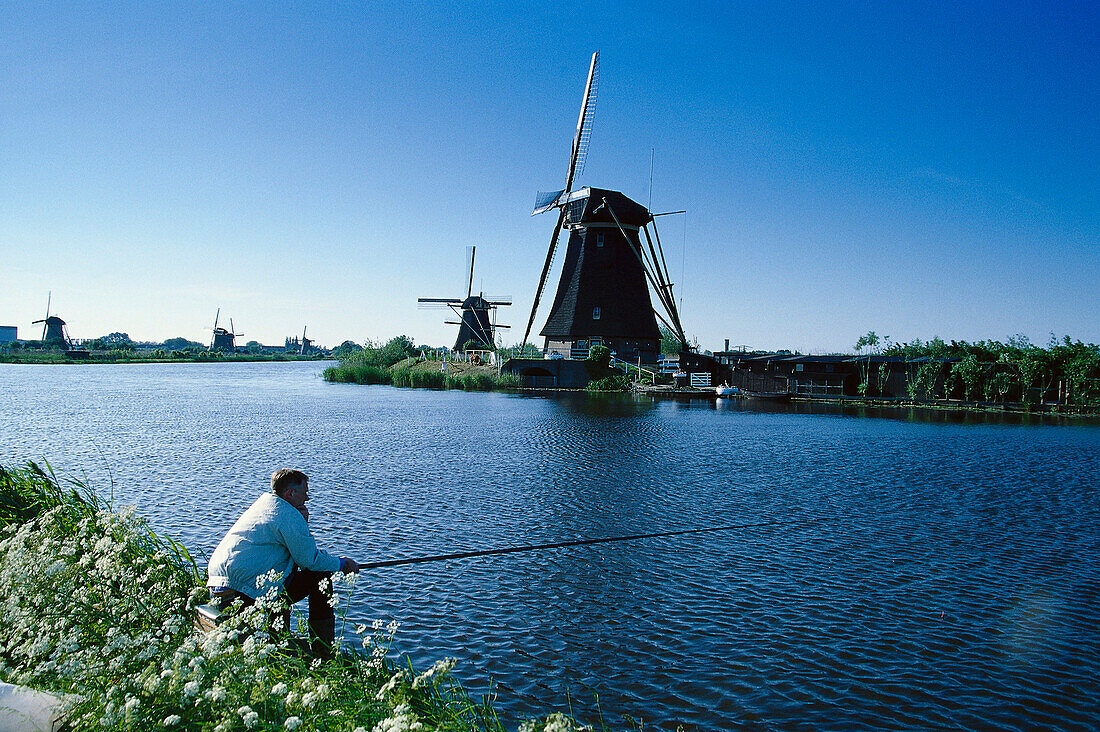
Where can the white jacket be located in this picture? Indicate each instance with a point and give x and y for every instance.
(271, 535)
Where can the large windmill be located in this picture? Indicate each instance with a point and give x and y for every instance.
(54, 331)
(476, 313)
(603, 297)
(223, 339)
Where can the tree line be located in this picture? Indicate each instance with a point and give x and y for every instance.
(1066, 371)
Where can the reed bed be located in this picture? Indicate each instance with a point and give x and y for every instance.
(99, 609)
(420, 378)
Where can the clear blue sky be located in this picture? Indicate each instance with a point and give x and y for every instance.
(846, 167)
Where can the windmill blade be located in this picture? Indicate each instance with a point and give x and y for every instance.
(584, 124)
(470, 252)
(544, 201)
(49, 298)
(588, 112)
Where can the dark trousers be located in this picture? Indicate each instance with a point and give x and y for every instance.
(303, 583)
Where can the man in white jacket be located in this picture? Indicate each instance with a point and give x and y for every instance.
(272, 535)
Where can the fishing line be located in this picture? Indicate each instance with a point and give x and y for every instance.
(576, 542)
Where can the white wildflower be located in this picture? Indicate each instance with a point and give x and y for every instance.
(191, 688)
(279, 689)
(443, 666)
(403, 720)
(389, 685)
(292, 723)
(172, 720)
(251, 720)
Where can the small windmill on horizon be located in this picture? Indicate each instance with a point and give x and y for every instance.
(476, 313)
(222, 339)
(53, 328)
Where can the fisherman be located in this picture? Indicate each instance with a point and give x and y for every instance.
(272, 535)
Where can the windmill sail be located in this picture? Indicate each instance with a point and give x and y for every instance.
(544, 201)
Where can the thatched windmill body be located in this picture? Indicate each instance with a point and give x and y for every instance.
(603, 296)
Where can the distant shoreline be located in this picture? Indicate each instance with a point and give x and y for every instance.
(55, 359)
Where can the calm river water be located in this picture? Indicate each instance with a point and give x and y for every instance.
(938, 573)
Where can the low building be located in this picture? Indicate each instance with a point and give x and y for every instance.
(553, 372)
(833, 376)
(8, 333)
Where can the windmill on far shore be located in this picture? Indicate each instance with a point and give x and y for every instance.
(476, 313)
(603, 297)
(54, 331)
(223, 339)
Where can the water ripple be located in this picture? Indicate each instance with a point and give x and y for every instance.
(943, 576)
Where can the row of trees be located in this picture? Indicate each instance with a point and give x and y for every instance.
(111, 342)
(1066, 371)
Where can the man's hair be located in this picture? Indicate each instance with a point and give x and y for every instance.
(283, 478)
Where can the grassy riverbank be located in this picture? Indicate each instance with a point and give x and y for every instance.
(99, 608)
(377, 366)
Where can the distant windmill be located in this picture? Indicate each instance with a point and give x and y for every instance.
(53, 328)
(223, 339)
(476, 313)
(602, 297)
(307, 344)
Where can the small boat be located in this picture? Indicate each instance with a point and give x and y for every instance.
(725, 390)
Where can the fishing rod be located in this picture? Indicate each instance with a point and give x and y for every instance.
(576, 542)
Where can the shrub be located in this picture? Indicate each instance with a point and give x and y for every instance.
(617, 382)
